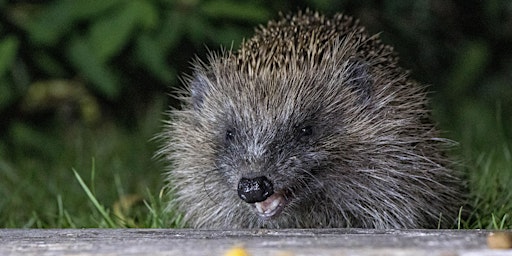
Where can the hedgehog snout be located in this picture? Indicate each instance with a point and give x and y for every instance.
(253, 190)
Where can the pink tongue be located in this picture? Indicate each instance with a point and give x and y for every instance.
(271, 206)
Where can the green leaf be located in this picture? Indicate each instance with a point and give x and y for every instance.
(59, 17)
(147, 11)
(153, 58)
(85, 60)
(235, 10)
(171, 30)
(198, 27)
(50, 27)
(112, 33)
(84, 9)
(8, 51)
(49, 64)
(6, 94)
(469, 65)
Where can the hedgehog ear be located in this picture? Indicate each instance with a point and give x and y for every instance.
(199, 87)
(360, 79)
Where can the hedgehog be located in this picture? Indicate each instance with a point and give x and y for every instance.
(311, 123)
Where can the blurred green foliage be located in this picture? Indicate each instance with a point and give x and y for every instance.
(83, 79)
(125, 52)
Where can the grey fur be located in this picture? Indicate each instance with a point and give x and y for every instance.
(323, 110)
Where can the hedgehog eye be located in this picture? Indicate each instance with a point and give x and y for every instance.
(230, 134)
(306, 130)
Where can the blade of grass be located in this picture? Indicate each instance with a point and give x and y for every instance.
(503, 221)
(93, 175)
(494, 223)
(155, 217)
(63, 219)
(95, 202)
(118, 185)
(60, 216)
(69, 220)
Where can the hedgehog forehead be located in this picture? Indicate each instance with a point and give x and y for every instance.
(285, 95)
(263, 106)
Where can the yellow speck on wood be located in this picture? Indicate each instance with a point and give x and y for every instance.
(499, 240)
(237, 251)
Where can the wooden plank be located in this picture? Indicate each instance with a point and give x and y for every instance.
(256, 242)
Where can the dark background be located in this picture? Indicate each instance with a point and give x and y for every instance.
(84, 83)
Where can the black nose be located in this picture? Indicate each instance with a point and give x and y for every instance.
(255, 190)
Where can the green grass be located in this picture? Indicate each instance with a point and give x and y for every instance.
(490, 182)
(130, 211)
(44, 173)
(105, 176)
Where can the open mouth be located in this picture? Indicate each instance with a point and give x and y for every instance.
(272, 206)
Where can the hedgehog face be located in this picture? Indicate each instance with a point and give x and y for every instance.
(270, 143)
(270, 165)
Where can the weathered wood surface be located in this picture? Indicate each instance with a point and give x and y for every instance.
(256, 242)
